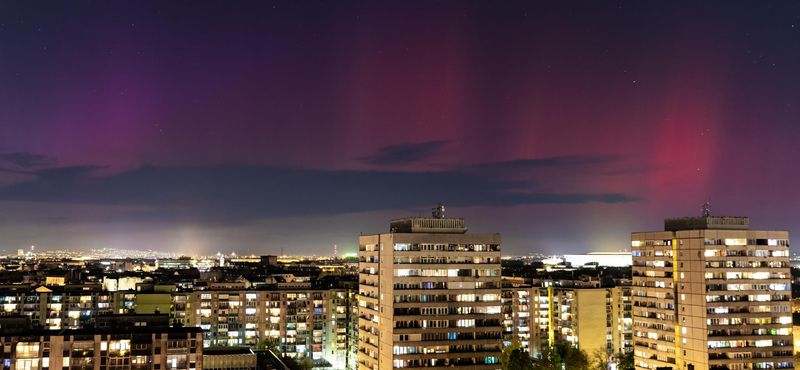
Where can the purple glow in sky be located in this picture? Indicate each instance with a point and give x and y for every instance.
(251, 127)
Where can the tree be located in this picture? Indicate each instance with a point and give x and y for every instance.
(599, 360)
(562, 356)
(306, 364)
(507, 352)
(571, 357)
(518, 359)
(546, 362)
(293, 364)
(625, 361)
(268, 344)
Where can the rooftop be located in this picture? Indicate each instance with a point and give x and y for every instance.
(227, 351)
(428, 225)
(708, 222)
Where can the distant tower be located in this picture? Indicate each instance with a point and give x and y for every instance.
(438, 210)
(335, 251)
(32, 247)
(706, 211)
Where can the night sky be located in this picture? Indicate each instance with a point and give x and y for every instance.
(200, 127)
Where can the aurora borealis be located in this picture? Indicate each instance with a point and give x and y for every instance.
(253, 126)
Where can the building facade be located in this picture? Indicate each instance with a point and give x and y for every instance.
(139, 348)
(229, 358)
(297, 320)
(711, 294)
(57, 307)
(619, 313)
(342, 343)
(517, 318)
(321, 324)
(592, 319)
(430, 296)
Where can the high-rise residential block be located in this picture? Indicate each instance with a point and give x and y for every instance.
(517, 318)
(342, 343)
(430, 296)
(711, 294)
(619, 312)
(595, 320)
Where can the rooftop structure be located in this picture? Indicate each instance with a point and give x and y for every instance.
(707, 223)
(428, 225)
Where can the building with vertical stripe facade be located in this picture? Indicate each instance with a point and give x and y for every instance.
(430, 296)
(709, 293)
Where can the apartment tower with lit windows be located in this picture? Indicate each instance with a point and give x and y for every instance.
(429, 296)
(711, 294)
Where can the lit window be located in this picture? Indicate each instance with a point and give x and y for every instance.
(28, 364)
(735, 241)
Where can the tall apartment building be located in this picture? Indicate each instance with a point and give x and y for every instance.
(711, 294)
(592, 319)
(517, 318)
(429, 297)
(342, 346)
(619, 312)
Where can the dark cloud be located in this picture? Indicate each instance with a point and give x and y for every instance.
(559, 161)
(66, 173)
(403, 154)
(26, 160)
(11, 170)
(229, 194)
(628, 171)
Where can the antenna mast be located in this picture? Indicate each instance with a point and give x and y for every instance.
(438, 210)
(705, 209)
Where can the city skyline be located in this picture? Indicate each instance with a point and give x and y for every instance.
(707, 293)
(259, 126)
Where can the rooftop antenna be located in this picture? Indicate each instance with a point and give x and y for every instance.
(438, 210)
(706, 211)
